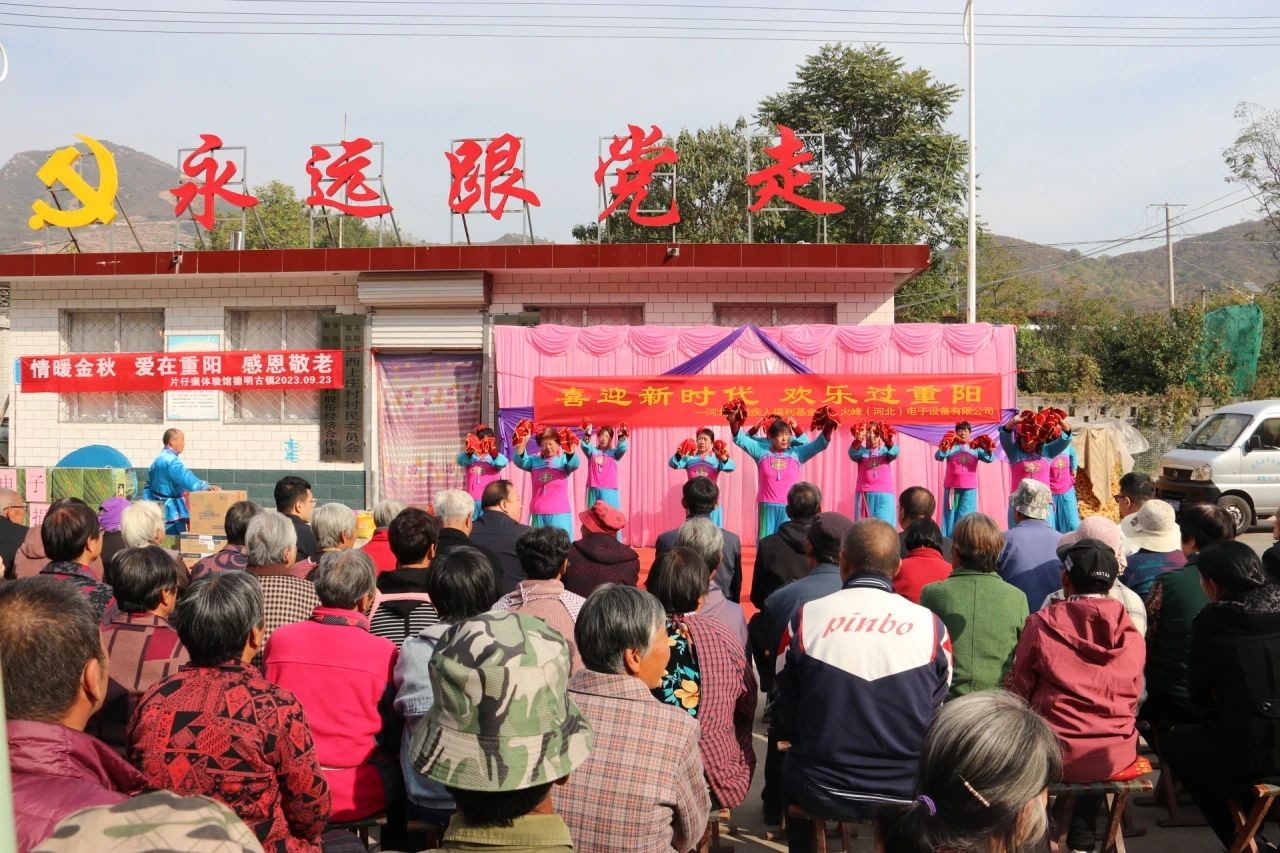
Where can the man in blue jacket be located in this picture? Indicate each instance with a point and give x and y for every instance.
(169, 480)
(866, 671)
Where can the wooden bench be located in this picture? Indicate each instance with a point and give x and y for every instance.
(845, 827)
(1247, 825)
(1117, 795)
(711, 840)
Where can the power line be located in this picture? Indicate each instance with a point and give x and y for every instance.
(612, 34)
(949, 293)
(623, 17)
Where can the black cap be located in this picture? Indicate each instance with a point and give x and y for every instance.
(827, 532)
(1089, 559)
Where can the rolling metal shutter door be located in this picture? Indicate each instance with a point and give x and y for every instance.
(428, 328)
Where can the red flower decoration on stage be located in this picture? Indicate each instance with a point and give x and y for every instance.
(473, 445)
(720, 449)
(948, 441)
(982, 442)
(489, 446)
(568, 439)
(735, 410)
(688, 447)
(823, 418)
(1035, 429)
(523, 430)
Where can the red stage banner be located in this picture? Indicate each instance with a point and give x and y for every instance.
(696, 400)
(228, 370)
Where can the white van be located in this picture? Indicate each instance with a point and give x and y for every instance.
(1232, 459)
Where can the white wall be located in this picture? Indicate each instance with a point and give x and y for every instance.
(191, 306)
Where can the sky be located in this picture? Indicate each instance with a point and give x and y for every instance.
(1074, 142)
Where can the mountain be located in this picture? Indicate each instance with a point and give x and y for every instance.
(1214, 262)
(144, 196)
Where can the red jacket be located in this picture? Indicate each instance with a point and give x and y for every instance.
(1079, 665)
(342, 676)
(379, 550)
(57, 771)
(921, 567)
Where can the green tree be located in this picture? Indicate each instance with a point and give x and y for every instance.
(1005, 293)
(1254, 160)
(890, 162)
(710, 190)
(281, 220)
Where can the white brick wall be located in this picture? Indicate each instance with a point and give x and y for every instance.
(191, 307)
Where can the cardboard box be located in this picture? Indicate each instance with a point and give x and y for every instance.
(195, 546)
(209, 510)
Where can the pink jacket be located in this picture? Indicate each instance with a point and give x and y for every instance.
(342, 676)
(1079, 664)
(57, 771)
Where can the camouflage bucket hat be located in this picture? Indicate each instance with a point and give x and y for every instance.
(502, 719)
(159, 820)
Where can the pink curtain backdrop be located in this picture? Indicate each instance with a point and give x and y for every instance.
(651, 491)
(428, 403)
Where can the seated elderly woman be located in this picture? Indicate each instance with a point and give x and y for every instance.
(543, 553)
(708, 675)
(218, 728)
(233, 556)
(335, 527)
(379, 547)
(342, 676)
(272, 544)
(142, 647)
(985, 766)
(642, 790)
(142, 524)
(705, 539)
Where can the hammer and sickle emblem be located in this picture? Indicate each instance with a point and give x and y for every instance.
(97, 203)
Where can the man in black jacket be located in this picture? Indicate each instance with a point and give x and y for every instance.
(498, 528)
(780, 557)
(699, 498)
(13, 512)
(455, 509)
(295, 499)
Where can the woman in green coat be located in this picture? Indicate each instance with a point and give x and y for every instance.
(983, 614)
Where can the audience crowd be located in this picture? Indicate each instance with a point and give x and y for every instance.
(474, 683)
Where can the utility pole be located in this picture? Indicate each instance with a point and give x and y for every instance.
(1168, 246)
(972, 265)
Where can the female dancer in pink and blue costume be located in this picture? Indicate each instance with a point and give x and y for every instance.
(874, 496)
(778, 469)
(602, 464)
(550, 471)
(960, 479)
(1031, 461)
(705, 461)
(482, 463)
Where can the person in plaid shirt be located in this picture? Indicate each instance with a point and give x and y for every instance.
(712, 682)
(218, 728)
(142, 647)
(72, 539)
(642, 790)
(273, 548)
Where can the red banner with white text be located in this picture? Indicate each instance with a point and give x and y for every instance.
(698, 399)
(228, 370)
